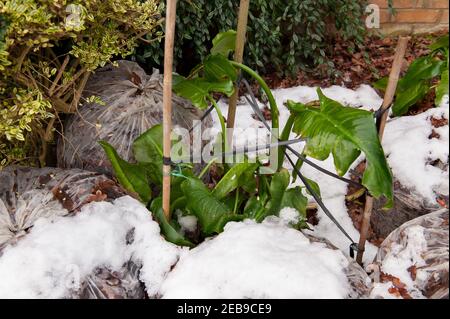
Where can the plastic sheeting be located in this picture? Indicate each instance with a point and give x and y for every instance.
(133, 104)
(418, 249)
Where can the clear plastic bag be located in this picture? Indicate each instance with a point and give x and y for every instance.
(133, 104)
(407, 206)
(413, 261)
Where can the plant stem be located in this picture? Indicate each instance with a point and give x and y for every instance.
(222, 122)
(284, 137)
(203, 172)
(273, 105)
(236, 200)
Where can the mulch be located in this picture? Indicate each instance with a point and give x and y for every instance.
(365, 66)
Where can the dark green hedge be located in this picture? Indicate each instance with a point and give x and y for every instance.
(283, 35)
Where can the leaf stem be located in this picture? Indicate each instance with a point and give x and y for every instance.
(222, 121)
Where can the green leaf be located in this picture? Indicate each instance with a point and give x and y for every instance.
(224, 43)
(254, 207)
(133, 177)
(168, 231)
(407, 98)
(381, 84)
(442, 88)
(344, 132)
(148, 149)
(197, 90)
(315, 187)
(423, 68)
(233, 180)
(294, 198)
(282, 197)
(218, 68)
(440, 43)
(212, 214)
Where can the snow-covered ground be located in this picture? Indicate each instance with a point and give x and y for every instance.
(59, 252)
(268, 260)
(247, 259)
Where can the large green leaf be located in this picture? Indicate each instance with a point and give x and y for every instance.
(442, 88)
(224, 43)
(168, 231)
(233, 179)
(148, 149)
(407, 98)
(197, 90)
(133, 177)
(212, 214)
(218, 68)
(344, 132)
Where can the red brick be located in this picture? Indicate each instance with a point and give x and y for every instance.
(417, 16)
(383, 4)
(404, 4)
(385, 16)
(444, 18)
(437, 4)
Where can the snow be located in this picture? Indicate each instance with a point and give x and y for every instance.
(42, 263)
(188, 223)
(410, 152)
(250, 260)
(289, 216)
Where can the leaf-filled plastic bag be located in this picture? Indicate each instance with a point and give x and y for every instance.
(29, 195)
(133, 104)
(412, 262)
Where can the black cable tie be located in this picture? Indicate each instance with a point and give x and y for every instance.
(353, 249)
(167, 161)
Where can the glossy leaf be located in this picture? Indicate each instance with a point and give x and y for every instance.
(442, 88)
(423, 68)
(197, 90)
(212, 214)
(133, 177)
(344, 132)
(217, 69)
(407, 98)
(224, 43)
(148, 149)
(282, 197)
(440, 43)
(167, 230)
(233, 179)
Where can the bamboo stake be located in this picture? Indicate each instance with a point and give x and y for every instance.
(167, 102)
(238, 57)
(387, 101)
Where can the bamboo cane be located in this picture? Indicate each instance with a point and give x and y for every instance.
(387, 101)
(238, 57)
(167, 102)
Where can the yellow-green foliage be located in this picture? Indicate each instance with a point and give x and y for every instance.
(48, 48)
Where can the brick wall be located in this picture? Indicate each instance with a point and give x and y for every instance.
(413, 16)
